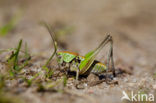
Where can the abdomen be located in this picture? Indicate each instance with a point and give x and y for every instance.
(98, 67)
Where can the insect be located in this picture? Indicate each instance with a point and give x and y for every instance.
(84, 65)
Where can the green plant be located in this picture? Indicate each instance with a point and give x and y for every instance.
(13, 60)
(10, 25)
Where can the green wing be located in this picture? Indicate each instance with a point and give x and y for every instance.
(90, 56)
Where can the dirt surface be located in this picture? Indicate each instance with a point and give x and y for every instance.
(131, 23)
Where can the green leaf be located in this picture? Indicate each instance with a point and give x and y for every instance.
(64, 81)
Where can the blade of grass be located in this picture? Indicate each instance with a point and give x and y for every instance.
(10, 25)
(26, 56)
(2, 82)
(26, 51)
(16, 67)
(64, 81)
(29, 81)
(13, 60)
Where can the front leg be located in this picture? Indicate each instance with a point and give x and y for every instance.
(75, 67)
(77, 74)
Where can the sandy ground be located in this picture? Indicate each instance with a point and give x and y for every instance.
(131, 23)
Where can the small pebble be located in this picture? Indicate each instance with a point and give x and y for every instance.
(92, 77)
(85, 84)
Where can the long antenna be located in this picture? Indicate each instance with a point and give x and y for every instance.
(51, 32)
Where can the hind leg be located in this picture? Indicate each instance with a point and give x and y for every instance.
(110, 59)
